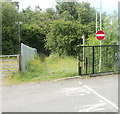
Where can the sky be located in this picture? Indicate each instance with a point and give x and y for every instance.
(108, 6)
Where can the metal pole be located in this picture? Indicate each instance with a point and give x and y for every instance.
(93, 60)
(100, 15)
(86, 64)
(19, 32)
(100, 62)
(79, 68)
(83, 37)
(96, 21)
(19, 37)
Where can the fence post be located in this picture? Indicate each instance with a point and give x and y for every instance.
(22, 58)
(79, 67)
(86, 64)
(93, 60)
(20, 69)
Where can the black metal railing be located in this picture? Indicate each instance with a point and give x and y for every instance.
(89, 59)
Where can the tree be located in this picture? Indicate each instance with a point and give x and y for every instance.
(10, 41)
(34, 35)
(86, 16)
(110, 24)
(69, 7)
(64, 37)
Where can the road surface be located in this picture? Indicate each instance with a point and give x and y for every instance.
(98, 94)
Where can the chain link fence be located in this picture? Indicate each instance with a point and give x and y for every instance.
(27, 53)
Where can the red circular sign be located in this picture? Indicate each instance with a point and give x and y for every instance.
(100, 35)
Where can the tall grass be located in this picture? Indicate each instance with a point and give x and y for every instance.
(47, 68)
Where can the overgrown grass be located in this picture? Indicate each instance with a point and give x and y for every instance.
(45, 69)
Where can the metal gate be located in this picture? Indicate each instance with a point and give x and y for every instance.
(89, 61)
(9, 64)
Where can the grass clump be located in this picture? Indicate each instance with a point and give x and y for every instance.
(49, 68)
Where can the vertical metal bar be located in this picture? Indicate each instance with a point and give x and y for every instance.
(93, 61)
(83, 37)
(100, 40)
(96, 21)
(19, 33)
(20, 69)
(79, 68)
(100, 15)
(100, 61)
(86, 64)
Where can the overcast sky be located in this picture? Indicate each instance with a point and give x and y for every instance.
(107, 5)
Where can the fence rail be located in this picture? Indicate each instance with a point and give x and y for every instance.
(9, 64)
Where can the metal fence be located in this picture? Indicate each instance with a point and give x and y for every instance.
(89, 59)
(27, 53)
(9, 64)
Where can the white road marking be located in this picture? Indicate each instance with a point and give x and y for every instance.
(99, 109)
(105, 99)
(76, 90)
(94, 107)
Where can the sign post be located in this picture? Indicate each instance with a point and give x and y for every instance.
(83, 37)
(100, 35)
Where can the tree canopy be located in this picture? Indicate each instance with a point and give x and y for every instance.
(56, 30)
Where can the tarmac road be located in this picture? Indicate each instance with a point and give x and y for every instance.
(75, 95)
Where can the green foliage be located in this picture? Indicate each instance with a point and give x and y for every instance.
(69, 7)
(9, 14)
(86, 14)
(34, 35)
(110, 24)
(64, 37)
(56, 30)
(10, 39)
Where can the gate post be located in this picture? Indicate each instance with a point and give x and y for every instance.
(79, 67)
(93, 61)
(20, 69)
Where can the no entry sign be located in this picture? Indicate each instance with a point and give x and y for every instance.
(100, 35)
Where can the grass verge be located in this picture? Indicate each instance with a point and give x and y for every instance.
(49, 68)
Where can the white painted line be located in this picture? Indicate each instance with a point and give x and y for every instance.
(105, 99)
(99, 109)
(89, 108)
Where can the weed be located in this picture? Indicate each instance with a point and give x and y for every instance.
(49, 68)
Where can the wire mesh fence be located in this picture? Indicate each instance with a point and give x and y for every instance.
(27, 53)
